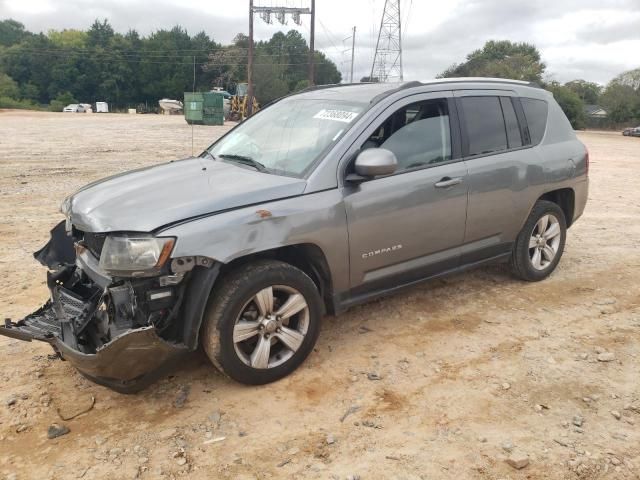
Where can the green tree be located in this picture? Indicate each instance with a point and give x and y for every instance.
(31, 61)
(126, 69)
(100, 34)
(630, 78)
(62, 100)
(326, 71)
(621, 98)
(70, 39)
(227, 66)
(271, 84)
(571, 104)
(12, 32)
(589, 92)
(621, 102)
(502, 59)
(29, 91)
(8, 87)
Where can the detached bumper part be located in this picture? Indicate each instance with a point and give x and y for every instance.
(40, 325)
(106, 330)
(126, 364)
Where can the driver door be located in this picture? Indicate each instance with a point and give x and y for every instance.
(409, 225)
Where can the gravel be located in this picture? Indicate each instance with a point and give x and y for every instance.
(458, 361)
(577, 420)
(55, 431)
(518, 459)
(606, 357)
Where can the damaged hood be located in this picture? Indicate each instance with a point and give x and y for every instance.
(146, 199)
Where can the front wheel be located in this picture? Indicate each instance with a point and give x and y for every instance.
(540, 243)
(262, 322)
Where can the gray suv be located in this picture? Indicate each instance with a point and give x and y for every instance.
(321, 201)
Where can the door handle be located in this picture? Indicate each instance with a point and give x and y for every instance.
(447, 182)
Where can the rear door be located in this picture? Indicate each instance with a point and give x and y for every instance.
(501, 167)
(409, 225)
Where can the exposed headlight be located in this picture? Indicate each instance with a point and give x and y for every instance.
(65, 206)
(135, 255)
(65, 209)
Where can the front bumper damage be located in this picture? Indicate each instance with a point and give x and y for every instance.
(121, 333)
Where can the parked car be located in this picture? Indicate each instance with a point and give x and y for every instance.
(74, 108)
(226, 102)
(319, 202)
(631, 131)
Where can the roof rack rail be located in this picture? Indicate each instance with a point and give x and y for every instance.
(400, 87)
(331, 85)
(487, 80)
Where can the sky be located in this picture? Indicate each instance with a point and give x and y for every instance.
(593, 40)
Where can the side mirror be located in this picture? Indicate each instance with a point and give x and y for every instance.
(373, 162)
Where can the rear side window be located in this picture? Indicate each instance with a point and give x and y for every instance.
(484, 124)
(511, 122)
(535, 112)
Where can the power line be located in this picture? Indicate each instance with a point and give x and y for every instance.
(408, 17)
(329, 35)
(130, 54)
(114, 58)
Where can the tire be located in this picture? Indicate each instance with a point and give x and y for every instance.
(524, 262)
(239, 306)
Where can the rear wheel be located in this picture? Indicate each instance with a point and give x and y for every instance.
(262, 322)
(540, 243)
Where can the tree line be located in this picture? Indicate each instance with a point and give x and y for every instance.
(620, 98)
(126, 70)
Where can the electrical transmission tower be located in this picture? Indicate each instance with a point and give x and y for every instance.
(387, 62)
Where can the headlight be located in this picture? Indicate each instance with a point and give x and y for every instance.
(135, 255)
(65, 209)
(65, 206)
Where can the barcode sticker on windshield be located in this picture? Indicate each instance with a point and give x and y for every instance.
(336, 115)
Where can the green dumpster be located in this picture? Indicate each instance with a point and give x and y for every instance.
(204, 108)
(213, 108)
(193, 112)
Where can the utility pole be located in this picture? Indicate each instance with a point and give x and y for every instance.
(353, 51)
(387, 62)
(250, 63)
(311, 44)
(280, 14)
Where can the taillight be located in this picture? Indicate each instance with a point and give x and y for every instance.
(586, 161)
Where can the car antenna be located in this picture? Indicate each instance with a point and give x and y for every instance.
(194, 91)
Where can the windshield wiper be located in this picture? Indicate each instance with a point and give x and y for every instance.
(208, 154)
(244, 160)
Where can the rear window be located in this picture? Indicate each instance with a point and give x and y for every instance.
(535, 112)
(484, 124)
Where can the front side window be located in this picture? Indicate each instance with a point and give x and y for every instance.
(418, 134)
(484, 124)
(289, 136)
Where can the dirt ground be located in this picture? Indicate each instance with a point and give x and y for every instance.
(470, 367)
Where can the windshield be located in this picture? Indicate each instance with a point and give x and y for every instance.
(288, 136)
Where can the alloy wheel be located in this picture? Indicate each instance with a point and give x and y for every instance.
(271, 327)
(545, 241)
